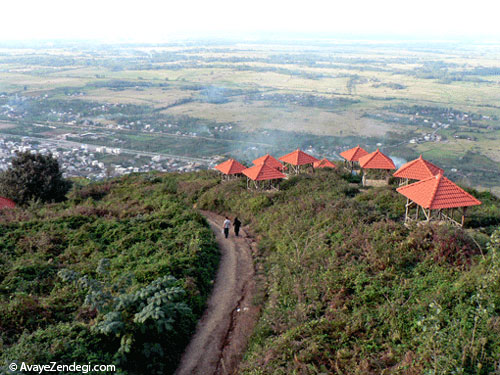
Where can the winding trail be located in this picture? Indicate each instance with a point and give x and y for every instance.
(223, 331)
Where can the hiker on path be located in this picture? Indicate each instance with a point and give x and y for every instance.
(226, 226)
(237, 225)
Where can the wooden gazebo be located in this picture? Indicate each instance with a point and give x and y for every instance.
(353, 155)
(230, 168)
(323, 163)
(270, 161)
(297, 159)
(376, 161)
(417, 170)
(262, 177)
(6, 203)
(436, 198)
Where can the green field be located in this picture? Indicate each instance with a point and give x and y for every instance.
(331, 93)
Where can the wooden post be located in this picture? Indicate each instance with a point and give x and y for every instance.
(426, 214)
(463, 216)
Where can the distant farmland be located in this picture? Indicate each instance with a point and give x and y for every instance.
(244, 99)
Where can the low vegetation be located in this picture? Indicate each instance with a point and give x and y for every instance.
(349, 289)
(119, 273)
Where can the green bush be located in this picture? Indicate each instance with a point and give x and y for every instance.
(95, 191)
(64, 343)
(123, 236)
(485, 216)
(33, 177)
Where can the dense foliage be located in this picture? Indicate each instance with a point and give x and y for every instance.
(350, 290)
(118, 273)
(34, 177)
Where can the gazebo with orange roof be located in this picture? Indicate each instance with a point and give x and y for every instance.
(418, 169)
(323, 163)
(270, 161)
(376, 161)
(352, 155)
(6, 203)
(437, 197)
(230, 168)
(262, 176)
(296, 159)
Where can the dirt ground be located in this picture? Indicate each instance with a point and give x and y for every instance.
(223, 331)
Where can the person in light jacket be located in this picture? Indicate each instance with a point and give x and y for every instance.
(226, 226)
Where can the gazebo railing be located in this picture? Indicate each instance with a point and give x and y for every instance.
(432, 215)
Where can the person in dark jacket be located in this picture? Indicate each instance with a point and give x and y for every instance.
(237, 225)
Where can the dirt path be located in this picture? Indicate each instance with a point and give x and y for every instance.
(223, 331)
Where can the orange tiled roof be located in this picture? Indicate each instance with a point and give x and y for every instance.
(418, 169)
(324, 163)
(270, 161)
(6, 203)
(230, 166)
(298, 157)
(438, 192)
(376, 160)
(354, 153)
(262, 172)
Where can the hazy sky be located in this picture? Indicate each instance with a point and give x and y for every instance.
(147, 20)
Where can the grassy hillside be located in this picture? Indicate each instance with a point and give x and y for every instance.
(350, 290)
(117, 274)
(346, 288)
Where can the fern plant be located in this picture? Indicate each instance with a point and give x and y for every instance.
(143, 322)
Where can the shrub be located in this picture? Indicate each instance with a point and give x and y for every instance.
(33, 177)
(443, 243)
(123, 235)
(387, 203)
(23, 312)
(151, 326)
(352, 178)
(94, 191)
(64, 343)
